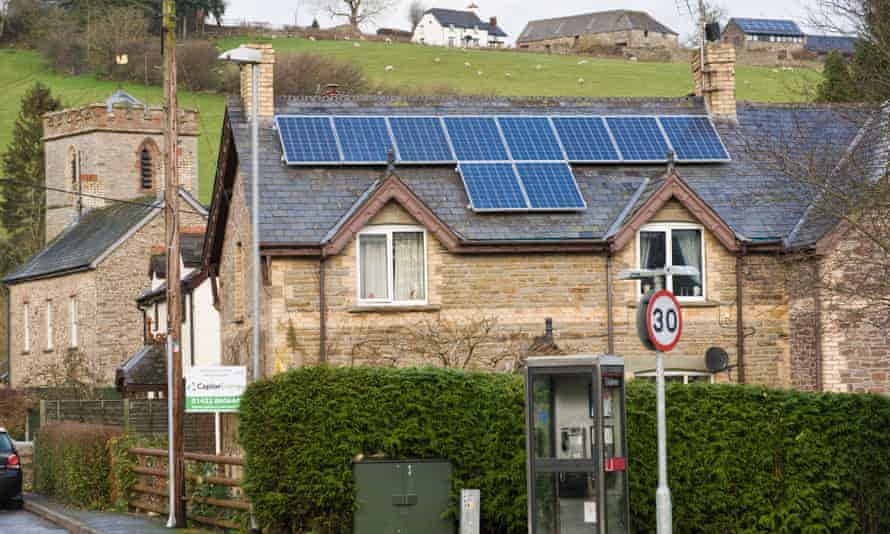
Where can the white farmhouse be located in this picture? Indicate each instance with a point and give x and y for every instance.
(458, 29)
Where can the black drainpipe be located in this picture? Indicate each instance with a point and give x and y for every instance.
(609, 297)
(144, 323)
(322, 313)
(740, 314)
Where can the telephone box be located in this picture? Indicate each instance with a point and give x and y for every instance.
(576, 446)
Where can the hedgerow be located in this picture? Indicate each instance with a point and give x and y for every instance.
(741, 459)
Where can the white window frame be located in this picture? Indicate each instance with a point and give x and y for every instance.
(667, 228)
(388, 230)
(49, 325)
(675, 372)
(73, 311)
(26, 309)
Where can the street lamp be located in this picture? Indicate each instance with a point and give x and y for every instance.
(250, 56)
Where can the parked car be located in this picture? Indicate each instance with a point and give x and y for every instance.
(10, 472)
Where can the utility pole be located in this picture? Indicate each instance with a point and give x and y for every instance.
(174, 302)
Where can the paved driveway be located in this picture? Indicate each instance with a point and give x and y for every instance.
(22, 522)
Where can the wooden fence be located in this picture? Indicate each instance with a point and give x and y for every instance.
(213, 487)
(142, 416)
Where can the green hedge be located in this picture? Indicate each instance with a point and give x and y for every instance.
(742, 459)
(72, 463)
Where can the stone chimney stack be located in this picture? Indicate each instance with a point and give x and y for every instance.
(266, 79)
(718, 88)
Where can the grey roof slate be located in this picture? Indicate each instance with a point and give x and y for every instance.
(82, 243)
(755, 198)
(591, 23)
(146, 367)
(464, 19)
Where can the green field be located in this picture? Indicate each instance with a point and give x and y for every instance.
(529, 74)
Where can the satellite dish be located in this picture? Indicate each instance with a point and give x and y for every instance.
(716, 360)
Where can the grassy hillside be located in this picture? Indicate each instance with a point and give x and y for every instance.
(535, 74)
(20, 69)
(530, 74)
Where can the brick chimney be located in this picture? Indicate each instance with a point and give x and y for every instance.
(266, 78)
(719, 79)
(493, 21)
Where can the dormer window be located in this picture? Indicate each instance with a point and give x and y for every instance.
(146, 169)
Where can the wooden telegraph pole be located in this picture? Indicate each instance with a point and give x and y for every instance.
(174, 301)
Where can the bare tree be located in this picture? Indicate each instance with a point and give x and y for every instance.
(415, 13)
(710, 12)
(356, 12)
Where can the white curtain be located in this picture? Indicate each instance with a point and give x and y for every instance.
(408, 263)
(689, 242)
(372, 252)
(648, 242)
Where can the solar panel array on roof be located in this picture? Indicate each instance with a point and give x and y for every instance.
(308, 140)
(639, 138)
(493, 187)
(421, 139)
(550, 186)
(694, 139)
(769, 26)
(363, 139)
(476, 139)
(586, 139)
(531, 139)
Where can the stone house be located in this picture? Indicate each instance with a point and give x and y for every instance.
(618, 28)
(458, 29)
(104, 217)
(379, 263)
(764, 35)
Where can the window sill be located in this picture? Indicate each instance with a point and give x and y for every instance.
(688, 304)
(383, 308)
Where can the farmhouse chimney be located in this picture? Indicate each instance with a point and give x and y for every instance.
(493, 21)
(718, 88)
(266, 78)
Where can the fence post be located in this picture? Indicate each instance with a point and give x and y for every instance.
(42, 413)
(126, 407)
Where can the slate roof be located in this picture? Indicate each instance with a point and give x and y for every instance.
(591, 23)
(786, 28)
(189, 281)
(751, 194)
(146, 368)
(464, 19)
(80, 244)
(191, 247)
(824, 44)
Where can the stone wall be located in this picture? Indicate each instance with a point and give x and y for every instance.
(26, 367)
(520, 291)
(803, 292)
(108, 147)
(629, 38)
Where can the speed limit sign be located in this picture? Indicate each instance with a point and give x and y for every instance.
(664, 321)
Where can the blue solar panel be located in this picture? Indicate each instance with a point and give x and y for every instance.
(492, 186)
(639, 138)
(694, 139)
(531, 138)
(420, 139)
(550, 186)
(307, 140)
(363, 139)
(585, 139)
(476, 139)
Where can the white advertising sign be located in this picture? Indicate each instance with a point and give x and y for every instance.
(214, 389)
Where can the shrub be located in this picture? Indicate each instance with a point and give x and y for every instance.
(72, 463)
(197, 65)
(308, 74)
(741, 459)
(14, 405)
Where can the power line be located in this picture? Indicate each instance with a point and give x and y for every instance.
(98, 197)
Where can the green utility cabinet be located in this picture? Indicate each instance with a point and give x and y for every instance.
(402, 497)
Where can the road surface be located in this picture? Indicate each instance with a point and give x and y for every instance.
(22, 522)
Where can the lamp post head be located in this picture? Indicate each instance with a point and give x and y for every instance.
(242, 54)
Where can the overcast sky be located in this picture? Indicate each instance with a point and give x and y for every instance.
(513, 14)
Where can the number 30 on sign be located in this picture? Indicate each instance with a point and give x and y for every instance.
(664, 321)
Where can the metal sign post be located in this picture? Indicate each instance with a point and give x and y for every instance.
(660, 324)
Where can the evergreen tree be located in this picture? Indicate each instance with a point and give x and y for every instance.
(837, 81)
(22, 197)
